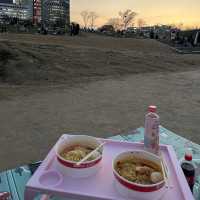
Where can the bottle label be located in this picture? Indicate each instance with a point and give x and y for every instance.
(151, 135)
(190, 180)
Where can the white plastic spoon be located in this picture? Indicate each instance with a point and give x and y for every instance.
(90, 154)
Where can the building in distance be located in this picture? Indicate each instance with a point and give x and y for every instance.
(15, 11)
(6, 1)
(55, 15)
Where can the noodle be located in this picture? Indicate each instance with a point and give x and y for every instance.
(136, 170)
(77, 153)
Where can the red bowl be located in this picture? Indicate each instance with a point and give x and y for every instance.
(135, 186)
(72, 164)
(70, 167)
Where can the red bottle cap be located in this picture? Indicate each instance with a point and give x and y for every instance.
(152, 109)
(188, 157)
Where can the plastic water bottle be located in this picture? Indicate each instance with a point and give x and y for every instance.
(188, 168)
(151, 133)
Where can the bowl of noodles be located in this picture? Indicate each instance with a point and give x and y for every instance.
(73, 148)
(138, 174)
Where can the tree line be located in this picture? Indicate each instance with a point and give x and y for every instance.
(124, 19)
(89, 18)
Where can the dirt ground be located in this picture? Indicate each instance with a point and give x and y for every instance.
(89, 84)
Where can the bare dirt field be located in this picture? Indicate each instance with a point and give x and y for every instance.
(92, 84)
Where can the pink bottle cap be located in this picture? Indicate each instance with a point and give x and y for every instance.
(152, 109)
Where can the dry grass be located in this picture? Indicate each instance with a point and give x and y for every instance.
(33, 59)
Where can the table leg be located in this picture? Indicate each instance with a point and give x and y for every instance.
(29, 194)
(45, 197)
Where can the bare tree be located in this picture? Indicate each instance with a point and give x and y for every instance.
(127, 17)
(92, 18)
(172, 26)
(180, 25)
(85, 16)
(115, 22)
(141, 22)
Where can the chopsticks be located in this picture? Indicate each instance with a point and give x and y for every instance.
(164, 171)
(90, 154)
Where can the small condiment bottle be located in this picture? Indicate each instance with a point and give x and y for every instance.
(151, 132)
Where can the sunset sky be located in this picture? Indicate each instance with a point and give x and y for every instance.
(153, 12)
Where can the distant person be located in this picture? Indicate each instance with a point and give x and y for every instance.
(44, 30)
(141, 34)
(72, 29)
(157, 37)
(191, 40)
(152, 34)
(185, 41)
(197, 39)
(77, 29)
(178, 35)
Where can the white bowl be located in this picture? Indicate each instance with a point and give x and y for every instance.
(132, 190)
(70, 168)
